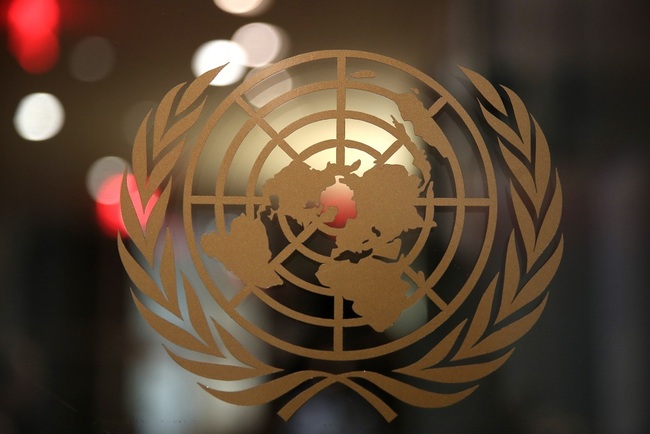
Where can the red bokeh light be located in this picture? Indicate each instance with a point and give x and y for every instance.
(339, 196)
(109, 212)
(33, 27)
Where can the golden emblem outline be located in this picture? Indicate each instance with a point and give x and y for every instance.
(477, 346)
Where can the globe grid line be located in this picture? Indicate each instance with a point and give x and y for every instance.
(337, 327)
(300, 247)
(327, 144)
(438, 201)
(332, 115)
(421, 286)
(303, 236)
(436, 106)
(258, 120)
(302, 317)
(341, 102)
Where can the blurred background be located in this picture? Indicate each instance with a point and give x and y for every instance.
(77, 77)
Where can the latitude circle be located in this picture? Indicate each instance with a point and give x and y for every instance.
(354, 354)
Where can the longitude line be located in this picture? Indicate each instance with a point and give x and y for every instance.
(385, 156)
(340, 110)
(340, 159)
(268, 129)
(226, 200)
(241, 295)
(437, 106)
(338, 323)
(284, 253)
(433, 296)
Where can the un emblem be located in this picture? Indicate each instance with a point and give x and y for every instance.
(341, 207)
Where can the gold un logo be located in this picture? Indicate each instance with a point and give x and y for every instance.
(340, 217)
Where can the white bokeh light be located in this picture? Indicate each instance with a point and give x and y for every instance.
(213, 54)
(243, 7)
(39, 116)
(100, 171)
(92, 59)
(262, 42)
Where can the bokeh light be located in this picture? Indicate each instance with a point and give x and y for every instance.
(92, 59)
(216, 53)
(109, 211)
(39, 116)
(262, 42)
(243, 7)
(33, 33)
(100, 171)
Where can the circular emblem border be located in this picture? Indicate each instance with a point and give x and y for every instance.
(472, 350)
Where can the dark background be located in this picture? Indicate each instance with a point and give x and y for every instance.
(68, 340)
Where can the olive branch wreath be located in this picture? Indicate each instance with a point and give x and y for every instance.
(473, 350)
